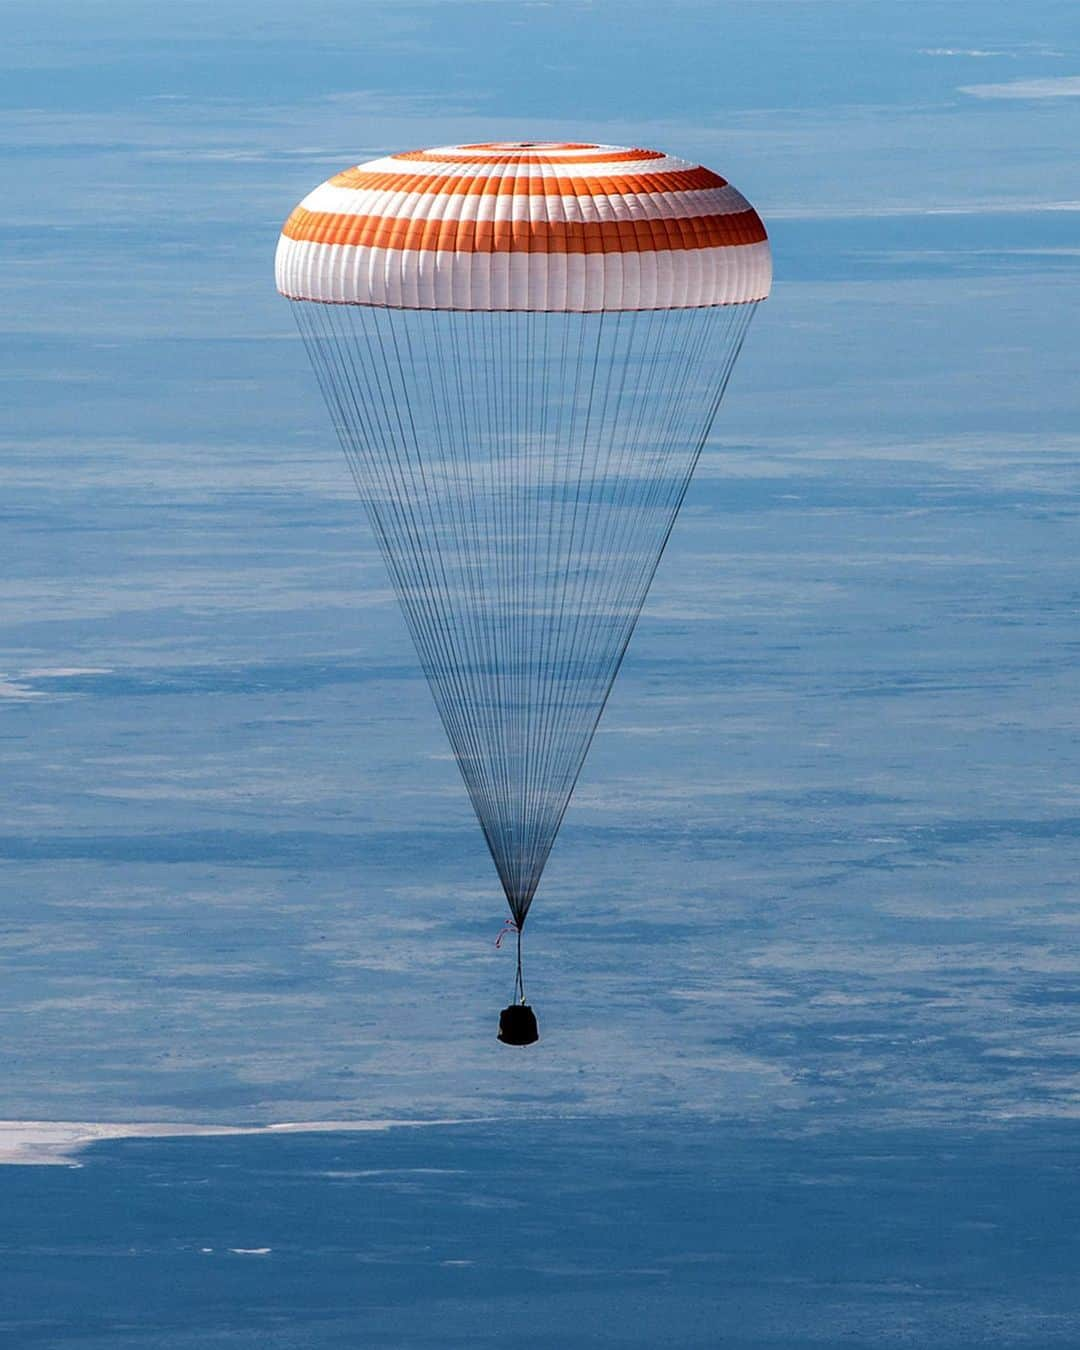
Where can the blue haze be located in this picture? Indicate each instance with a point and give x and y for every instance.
(806, 953)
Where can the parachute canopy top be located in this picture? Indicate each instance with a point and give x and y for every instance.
(567, 227)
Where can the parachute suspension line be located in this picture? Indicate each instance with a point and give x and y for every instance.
(519, 978)
(348, 369)
(624, 602)
(522, 473)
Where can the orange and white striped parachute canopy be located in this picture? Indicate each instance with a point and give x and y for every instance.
(526, 225)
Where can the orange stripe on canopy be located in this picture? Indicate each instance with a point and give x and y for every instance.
(506, 185)
(530, 145)
(454, 156)
(523, 236)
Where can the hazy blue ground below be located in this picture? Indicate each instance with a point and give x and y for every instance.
(621, 1233)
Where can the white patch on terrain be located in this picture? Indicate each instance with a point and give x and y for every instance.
(1057, 86)
(9, 689)
(64, 672)
(56, 1142)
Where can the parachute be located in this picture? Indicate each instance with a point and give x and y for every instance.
(523, 346)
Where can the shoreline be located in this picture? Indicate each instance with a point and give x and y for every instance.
(57, 1143)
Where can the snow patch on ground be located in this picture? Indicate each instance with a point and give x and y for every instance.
(58, 1142)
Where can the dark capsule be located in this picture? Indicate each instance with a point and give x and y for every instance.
(517, 1025)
